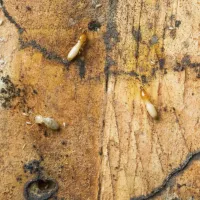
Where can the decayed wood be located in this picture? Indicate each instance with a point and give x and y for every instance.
(109, 147)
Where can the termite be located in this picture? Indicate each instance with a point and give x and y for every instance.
(49, 122)
(77, 47)
(149, 106)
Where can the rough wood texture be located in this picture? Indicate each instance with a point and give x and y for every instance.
(110, 149)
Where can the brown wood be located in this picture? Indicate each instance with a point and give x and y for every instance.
(110, 148)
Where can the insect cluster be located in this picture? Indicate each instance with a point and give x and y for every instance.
(75, 51)
(52, 124)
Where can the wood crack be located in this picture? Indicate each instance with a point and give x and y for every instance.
(190, 157)
(111, 37)
(179, 125)
(138, 41)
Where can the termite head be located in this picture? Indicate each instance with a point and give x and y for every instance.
(38, 119)
(143, 94)
(83, 38)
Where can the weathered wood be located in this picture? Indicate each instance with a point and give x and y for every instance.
(110, 148)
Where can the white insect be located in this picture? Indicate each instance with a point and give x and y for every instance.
(38, 119)
(171, 28)
(77, 47)
(98, 5)
(48, 121)
(149, 106)
(1, 22)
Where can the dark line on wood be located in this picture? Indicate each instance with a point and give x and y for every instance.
(99, 189)
(130, 73)
(10, 18)
(81, 65)
(47, 54)
(110, 168)
(138, 41)
(106, 72)
(164, 29)
(111, 37)
(190, 157)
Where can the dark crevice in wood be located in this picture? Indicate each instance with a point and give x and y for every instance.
(81, 65)
(24, 44)
(110, 169)
(138, 41)
(111, 37)
(191, 156)
(99, 189)
(180, 128)
(10, 18)
(47, 54)
(164, 30)
(109, 62)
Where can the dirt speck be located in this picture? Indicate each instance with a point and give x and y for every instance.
(8, 92)
(19, 179)
(137, 35)
(153, 71)
(28, 8)
(179, 67)
(94, 25)
(162, 63)
(144, 79)
(154, 40)
(173, 34)
(177, 23)
(63, 142)
(35, 91)
(33, 167)
(186, 60)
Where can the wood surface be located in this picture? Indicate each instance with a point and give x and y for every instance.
(108, 148)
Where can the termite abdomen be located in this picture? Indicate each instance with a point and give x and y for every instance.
(77, 47)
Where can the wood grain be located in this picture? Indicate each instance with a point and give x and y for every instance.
(110, 149)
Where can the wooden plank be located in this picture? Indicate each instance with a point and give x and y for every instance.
(108, 148)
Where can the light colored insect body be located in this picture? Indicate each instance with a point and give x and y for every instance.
(49, 122)
(74, 51)
(77, 47)
(151, 109)
(149, 106)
